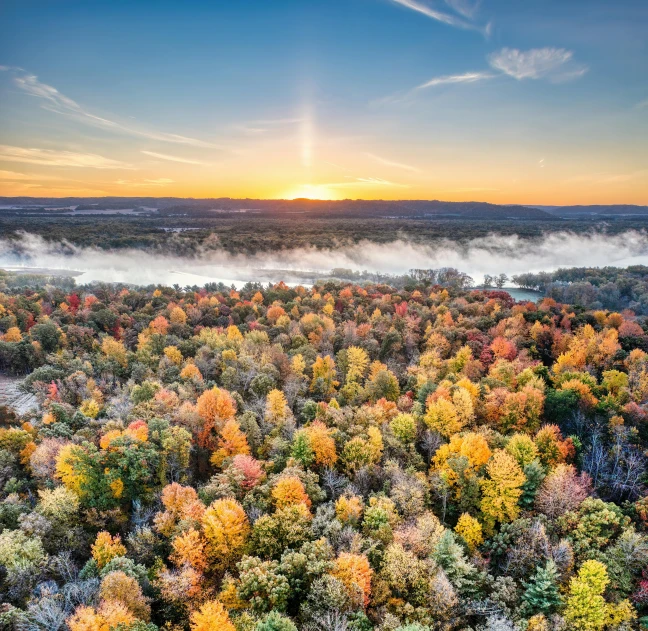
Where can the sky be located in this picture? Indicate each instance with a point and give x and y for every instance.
(505, 101)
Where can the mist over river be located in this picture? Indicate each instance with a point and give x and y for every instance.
(494, 254)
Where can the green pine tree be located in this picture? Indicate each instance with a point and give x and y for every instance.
(541, 595)
(534, 474)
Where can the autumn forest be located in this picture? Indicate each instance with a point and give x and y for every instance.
(342, 457)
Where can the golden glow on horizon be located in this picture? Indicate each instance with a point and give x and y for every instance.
(311, 191)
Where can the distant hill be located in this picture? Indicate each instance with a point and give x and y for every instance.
(607, 209)
(413, 209)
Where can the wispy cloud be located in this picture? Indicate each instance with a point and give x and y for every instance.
(642, 105)
(54, 158)
(161, 181)
(164, 156)
(466, 77)
(364, 181)
(554, 64)
(435, 82)
(56, 102)
(13, 176)
(464, 7)
(462, 16)
(261, 126)
(393, 163)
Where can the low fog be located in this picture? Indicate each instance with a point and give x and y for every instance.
(494, 254)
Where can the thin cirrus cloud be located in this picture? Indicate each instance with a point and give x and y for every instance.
(56, 102)
(262, 126)
(14, 176)
(55, 158)
(552, 64)
(165, 156)
(555, 64)
(393, 163)
(160, 181)
(444, 80)
(462, 16)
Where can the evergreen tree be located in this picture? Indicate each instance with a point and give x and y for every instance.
(541, 595)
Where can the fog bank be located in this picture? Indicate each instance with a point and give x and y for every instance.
(493, 254)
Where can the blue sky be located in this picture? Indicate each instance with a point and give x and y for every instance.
(510, 101)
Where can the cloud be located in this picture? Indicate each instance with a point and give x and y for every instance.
(164, 156)
(13, 176)
(462, 19)
(61, 104)
(392, 163)
(466, 77)
(366, 181)
(464, 7)
(261, 126)
(642, 105)
(161, 181)
(554, 64)
(53, 158)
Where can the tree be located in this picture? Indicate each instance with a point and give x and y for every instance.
(441, 416)
(231, 442)
(274, 621)
(501, 492)
(211, 616)
(542, 594)
(586, 609)
(354, 571)
(276, 409)
(323, 381)
(226, 530)
(322, 443)
(470, 530)
(215, 407)
(289, 491)
(118, 586)
(106, 548)
(262, 585)
(562, 490)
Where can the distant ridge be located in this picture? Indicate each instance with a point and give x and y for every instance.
(595, 209)
(412, 208)
(422, 209)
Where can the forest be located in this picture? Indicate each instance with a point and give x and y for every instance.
(343, 457)
(600, 287)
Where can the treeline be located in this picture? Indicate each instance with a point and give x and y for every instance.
(339, 458)
(593, 288)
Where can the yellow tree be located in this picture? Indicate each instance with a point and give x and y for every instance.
(276, 409)
(471, 531)
(322, 443)
(118, 586)
(106, 548)
(357, 360)
(442, 417)
(226, 528)
(289, 491)
(67, 468)
(323, 380)
(211, 616)
(586, 608)
(231, 442)
(502, 490)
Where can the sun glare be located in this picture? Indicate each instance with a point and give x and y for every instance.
(311, 191)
